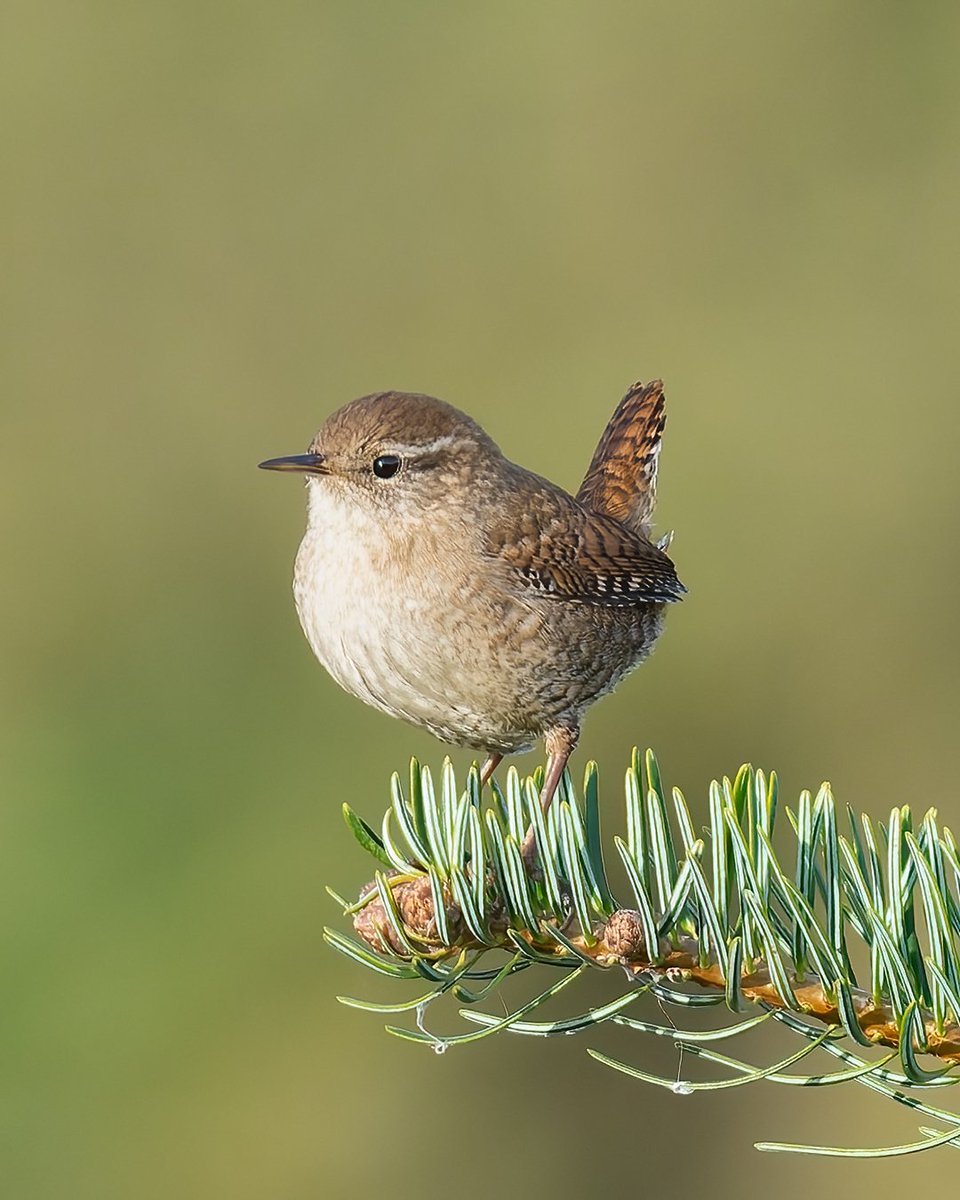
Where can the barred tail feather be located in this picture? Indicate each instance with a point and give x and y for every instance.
(621, 481)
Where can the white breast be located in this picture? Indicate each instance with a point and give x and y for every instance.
(389, 630)
(370, 613)
(337, 586)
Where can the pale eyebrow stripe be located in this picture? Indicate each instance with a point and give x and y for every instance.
(449, 441)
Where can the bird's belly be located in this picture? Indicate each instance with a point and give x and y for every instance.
(472, 663)
(399, 648)
(347, 635)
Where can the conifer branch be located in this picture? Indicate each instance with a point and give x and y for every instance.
(720, 911)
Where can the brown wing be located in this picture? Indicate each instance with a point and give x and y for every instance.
(621, 481)
(558, 548)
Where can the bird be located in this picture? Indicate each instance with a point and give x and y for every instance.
(443, 584)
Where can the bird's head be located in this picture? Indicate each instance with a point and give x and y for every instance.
(394, 454)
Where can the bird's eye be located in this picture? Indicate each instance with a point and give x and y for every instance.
(387, 465)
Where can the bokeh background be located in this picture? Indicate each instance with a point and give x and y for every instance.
(222, 220)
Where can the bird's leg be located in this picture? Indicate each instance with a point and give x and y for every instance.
(491, 762)
(560, 743)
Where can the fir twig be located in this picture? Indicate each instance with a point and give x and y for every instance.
(722, 911)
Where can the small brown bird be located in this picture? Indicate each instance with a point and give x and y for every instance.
(442, 583)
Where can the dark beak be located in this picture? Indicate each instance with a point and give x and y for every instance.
(304, 464)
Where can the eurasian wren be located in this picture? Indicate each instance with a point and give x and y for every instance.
(442, 583)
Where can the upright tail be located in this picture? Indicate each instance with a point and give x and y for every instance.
(621, 481)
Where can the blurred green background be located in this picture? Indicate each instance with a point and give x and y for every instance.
(221, 221)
